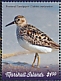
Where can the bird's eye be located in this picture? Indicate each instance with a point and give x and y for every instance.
(18, 20)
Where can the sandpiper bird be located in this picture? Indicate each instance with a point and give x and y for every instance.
(32, 39)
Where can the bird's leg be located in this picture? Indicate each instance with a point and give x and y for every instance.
(34, 59)
(38, 58)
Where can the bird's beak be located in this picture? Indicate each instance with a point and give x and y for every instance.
(10, 23)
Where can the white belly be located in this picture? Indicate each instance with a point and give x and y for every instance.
(33, 48)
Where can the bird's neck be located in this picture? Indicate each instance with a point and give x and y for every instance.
(22, 25)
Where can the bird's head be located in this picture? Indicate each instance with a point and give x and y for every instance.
(19, 21)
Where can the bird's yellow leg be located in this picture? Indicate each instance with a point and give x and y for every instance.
(38, 62)
(34, 59)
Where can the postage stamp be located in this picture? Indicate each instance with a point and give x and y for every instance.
(30, 40)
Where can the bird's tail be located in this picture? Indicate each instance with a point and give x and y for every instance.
(55, 45)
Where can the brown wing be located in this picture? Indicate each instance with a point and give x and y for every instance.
(37, 37)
